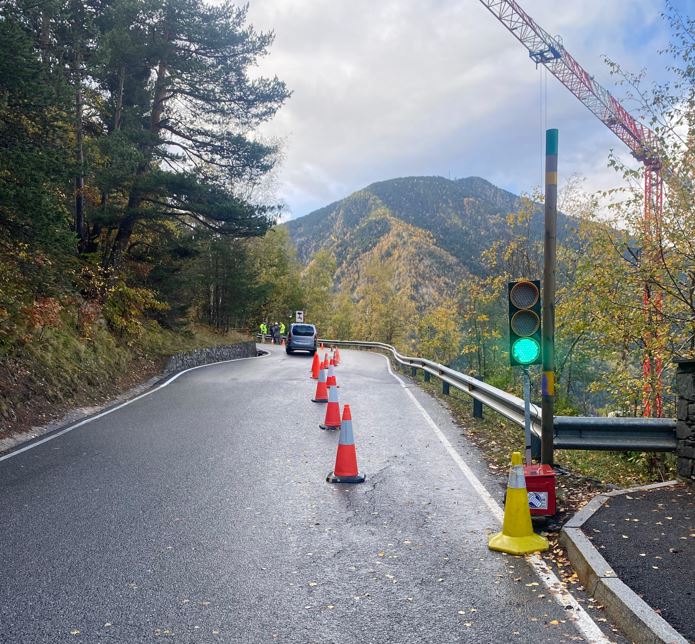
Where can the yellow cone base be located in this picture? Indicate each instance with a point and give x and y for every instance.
(517, 545)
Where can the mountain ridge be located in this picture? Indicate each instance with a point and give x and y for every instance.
(443, 224)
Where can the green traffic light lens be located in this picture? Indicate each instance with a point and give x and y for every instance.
(526, 350)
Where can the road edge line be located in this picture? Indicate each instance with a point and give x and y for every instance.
(582, 620)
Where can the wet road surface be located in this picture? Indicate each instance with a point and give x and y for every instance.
(201, 513)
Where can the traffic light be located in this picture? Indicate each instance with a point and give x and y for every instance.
(524, 322)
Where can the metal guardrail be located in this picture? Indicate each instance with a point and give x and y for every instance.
(571, 432)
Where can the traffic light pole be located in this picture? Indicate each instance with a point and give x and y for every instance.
(527, 414)
(548, 382)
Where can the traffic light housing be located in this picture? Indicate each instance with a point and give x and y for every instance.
(525, 338)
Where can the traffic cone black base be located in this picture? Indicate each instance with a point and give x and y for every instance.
(332, 478)
(329, 427)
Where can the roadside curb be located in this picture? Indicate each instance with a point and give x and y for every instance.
(629, 611)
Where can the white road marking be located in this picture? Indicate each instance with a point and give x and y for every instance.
(581, 618)
(116, 408)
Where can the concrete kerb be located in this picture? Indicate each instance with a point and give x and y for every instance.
(628, 610)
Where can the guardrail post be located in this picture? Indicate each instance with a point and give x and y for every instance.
(445, 387)
(427, 376)
(685, 424)
(535, 446)
(477, 405)
(413, 372)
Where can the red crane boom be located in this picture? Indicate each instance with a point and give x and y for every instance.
(548, 51)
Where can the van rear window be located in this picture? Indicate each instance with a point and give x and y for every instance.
(303, 329)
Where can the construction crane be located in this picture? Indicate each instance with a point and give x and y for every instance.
(548, 51)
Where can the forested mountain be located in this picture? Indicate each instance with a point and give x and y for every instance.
(437, 229)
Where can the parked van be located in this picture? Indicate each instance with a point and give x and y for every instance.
(302, 337)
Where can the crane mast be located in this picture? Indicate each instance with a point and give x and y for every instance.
(548, 51)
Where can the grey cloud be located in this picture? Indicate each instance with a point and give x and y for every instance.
(393, 88)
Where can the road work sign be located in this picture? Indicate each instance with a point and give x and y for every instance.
(299, 316)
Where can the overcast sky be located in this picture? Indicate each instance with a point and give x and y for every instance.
(391, 88)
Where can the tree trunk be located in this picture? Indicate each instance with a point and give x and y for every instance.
(119, 100)
(127, 226)
(80, 228)
(159, 98)
(120, 243)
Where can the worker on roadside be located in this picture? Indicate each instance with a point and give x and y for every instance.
(275, 332)
(282, 329)
(264, 330)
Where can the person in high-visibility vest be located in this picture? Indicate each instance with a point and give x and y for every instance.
(264, 330)
(282, 328)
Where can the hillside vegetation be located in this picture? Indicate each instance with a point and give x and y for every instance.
(435, 229)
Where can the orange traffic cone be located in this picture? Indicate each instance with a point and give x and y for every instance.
(345, 470)
(337, 356)
(315, 367)
(282, 344)
(321, 347)
(330, 379)
(321, 395)
(332, 420)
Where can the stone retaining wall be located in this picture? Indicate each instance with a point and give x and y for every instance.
(685, 426)
(209, 355)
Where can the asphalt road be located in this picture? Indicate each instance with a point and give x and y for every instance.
(201, 513)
